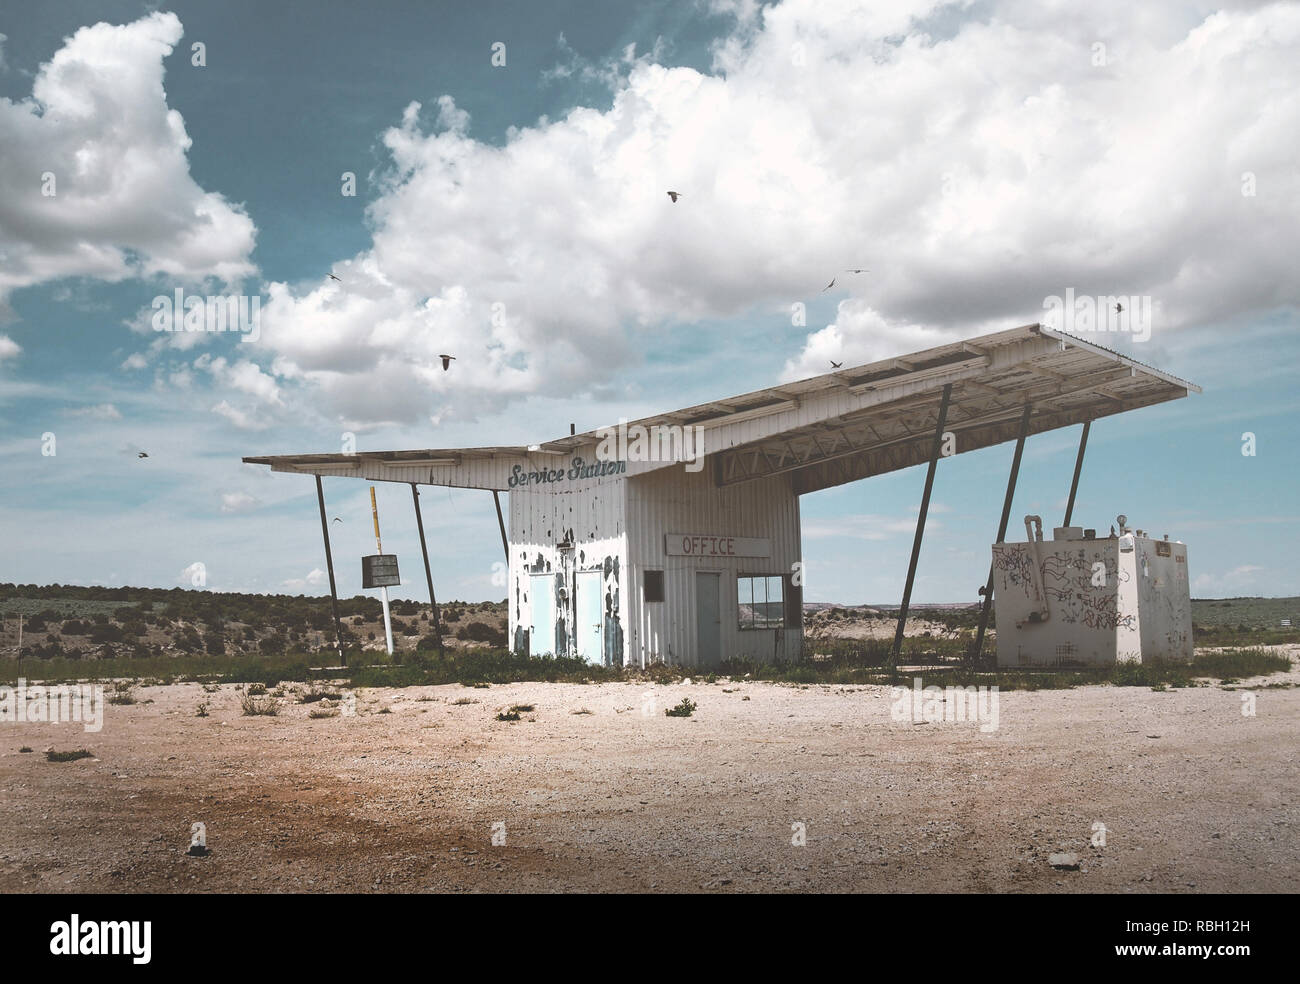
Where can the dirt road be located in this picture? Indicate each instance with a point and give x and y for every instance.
(1194, 795)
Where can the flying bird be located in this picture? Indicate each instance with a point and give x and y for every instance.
(446, 361)
(857, 271)
(332, 277)
(337, 520)
(829, 286)
(836, 365)
(142, 454)
(1119, 308)
(674, 195)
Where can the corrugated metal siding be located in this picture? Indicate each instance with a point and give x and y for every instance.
(675, 501)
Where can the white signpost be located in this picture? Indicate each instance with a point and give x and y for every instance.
(383, 590)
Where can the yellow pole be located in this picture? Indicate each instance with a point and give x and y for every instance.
(374, 511)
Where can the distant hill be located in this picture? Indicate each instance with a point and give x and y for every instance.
(110, 623)
(1239, 614)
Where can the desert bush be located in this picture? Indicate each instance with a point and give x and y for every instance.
(259, 706)
(481, 632)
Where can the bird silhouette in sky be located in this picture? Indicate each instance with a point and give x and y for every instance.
(332, 277)
(674, 195)
(337, 520)
(1119, 308)
(836, 365)
(447, 361)
(857, 271)
(142, 454)
(829, 286)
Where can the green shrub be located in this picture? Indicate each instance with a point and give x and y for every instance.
(481, 632)
(254, 707)
(683, 710)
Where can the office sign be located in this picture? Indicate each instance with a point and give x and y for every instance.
(380, 571)
(706, 545)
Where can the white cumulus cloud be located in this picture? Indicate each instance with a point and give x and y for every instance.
(94, 178)
(975, 159)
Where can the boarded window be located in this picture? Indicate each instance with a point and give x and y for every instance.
(793, 603)
(654, 585)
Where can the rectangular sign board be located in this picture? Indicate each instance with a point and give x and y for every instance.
(705, 545)
(380, 571)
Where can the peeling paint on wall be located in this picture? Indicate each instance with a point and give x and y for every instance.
(612, 630)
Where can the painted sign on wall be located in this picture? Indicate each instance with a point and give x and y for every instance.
(697, 545)
(578, 469)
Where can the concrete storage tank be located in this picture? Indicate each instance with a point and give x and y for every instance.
(1077, 600)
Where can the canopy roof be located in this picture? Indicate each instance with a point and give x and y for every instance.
(834, 428)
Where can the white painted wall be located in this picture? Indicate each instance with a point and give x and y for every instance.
(593, 520)
(676, 501)
(1164, 600)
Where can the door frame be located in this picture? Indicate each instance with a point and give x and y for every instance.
(599, 658)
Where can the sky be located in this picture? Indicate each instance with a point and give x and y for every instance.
(510, 165)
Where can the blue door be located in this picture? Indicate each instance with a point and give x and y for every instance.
(589, 611)
(541, 599)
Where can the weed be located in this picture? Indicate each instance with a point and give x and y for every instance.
(683, 710)
(253, 707)
(80, 753)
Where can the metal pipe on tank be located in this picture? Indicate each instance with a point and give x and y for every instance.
(1032, 522)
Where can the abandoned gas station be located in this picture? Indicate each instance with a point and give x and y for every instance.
(676, 538)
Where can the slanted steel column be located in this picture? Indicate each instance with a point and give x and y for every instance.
(1002, 528)
(1078, 467)
(428, 576)
(920, 519)
(505, 545)
(329, 565)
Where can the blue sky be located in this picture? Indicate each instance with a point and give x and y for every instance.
(976, 158)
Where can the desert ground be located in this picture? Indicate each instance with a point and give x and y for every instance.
(404, 794)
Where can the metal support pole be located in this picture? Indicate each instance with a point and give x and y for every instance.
(920, 520)
(505, 544)
(329, 565)
(1078, 467)
(1002, 529)
(428, 576)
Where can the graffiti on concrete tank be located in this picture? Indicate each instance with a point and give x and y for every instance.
(1068, 584)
